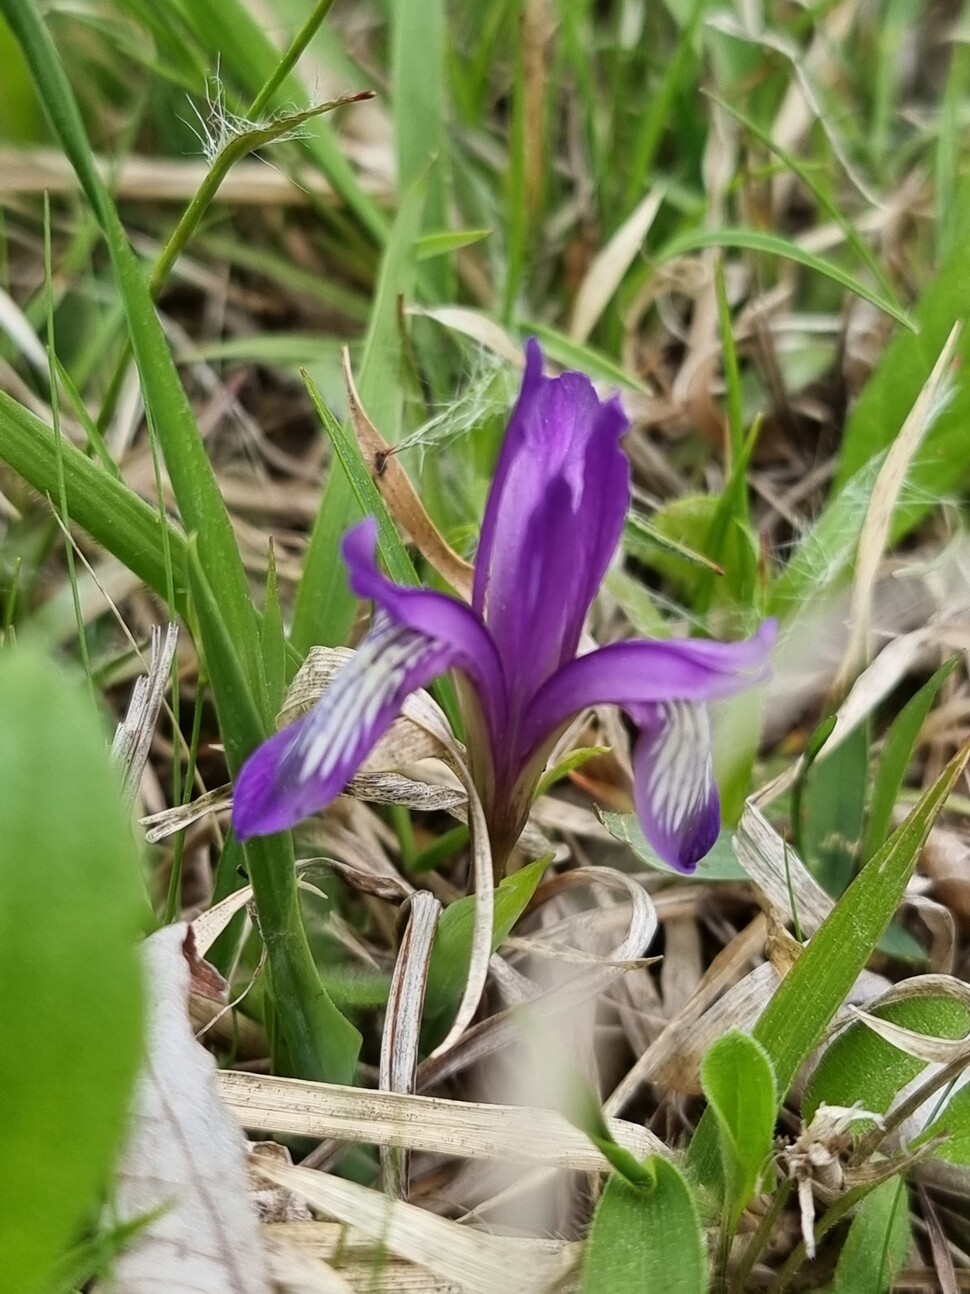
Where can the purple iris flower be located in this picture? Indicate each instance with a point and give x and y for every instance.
(552, 525)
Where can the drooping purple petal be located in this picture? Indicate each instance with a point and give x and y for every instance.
(552, 523)
(631, 674)
(417, 635)
(306, 766)
(673, 782)
(434, 616)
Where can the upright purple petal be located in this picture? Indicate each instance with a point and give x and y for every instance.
(630, 674)
(673, 782)
(552, 522)
(306, 766)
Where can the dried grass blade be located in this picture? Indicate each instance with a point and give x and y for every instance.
(885, 495)
(478, 1263)
(609, 266)
(133, 736)
(402, 1023)
(521, 1134)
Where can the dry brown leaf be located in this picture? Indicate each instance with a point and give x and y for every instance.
(401, 497)
(184, 1158)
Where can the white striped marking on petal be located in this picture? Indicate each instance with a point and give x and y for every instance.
(356, 696)
(680, 770)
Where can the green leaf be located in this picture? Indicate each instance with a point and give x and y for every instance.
(644, 1240)
(861, 1066)
(739, 1083)
(586, 1113)
(775, 245)
(575, 759)
(169, 412)
(441, 244)
(451, 955)
(567, 353)
(818, 983)
(878, 1243)
(903, 369)
(719, 865)
(833, 810)
(896, 755)
(954, 1122)
(641, 538)
(121, 522)
(324, 605)
(71, 906)
(314, 1039)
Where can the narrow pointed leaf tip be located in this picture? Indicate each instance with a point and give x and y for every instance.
(552, 524)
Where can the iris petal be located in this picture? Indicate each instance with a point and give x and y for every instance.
(306, 766)
(674, 789)
(630, 674)
(552, 523)
(417, 635)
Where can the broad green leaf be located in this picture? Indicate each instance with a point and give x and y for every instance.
(324, 605)
(645, 1240)
(878, 1243)
(71, 906)
(755, 240)
(450, 956)
(896, 755)
(861, 1066)
(739, 1083)
(954, 1122)
(719, 865)
(818, 983)
(704, 524)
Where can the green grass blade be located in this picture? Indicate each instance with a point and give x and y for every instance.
(193, 479)
(420, 120)
(324, 607)
(775, 245)
(896, 755)
(314, 1039)
(119, 520)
